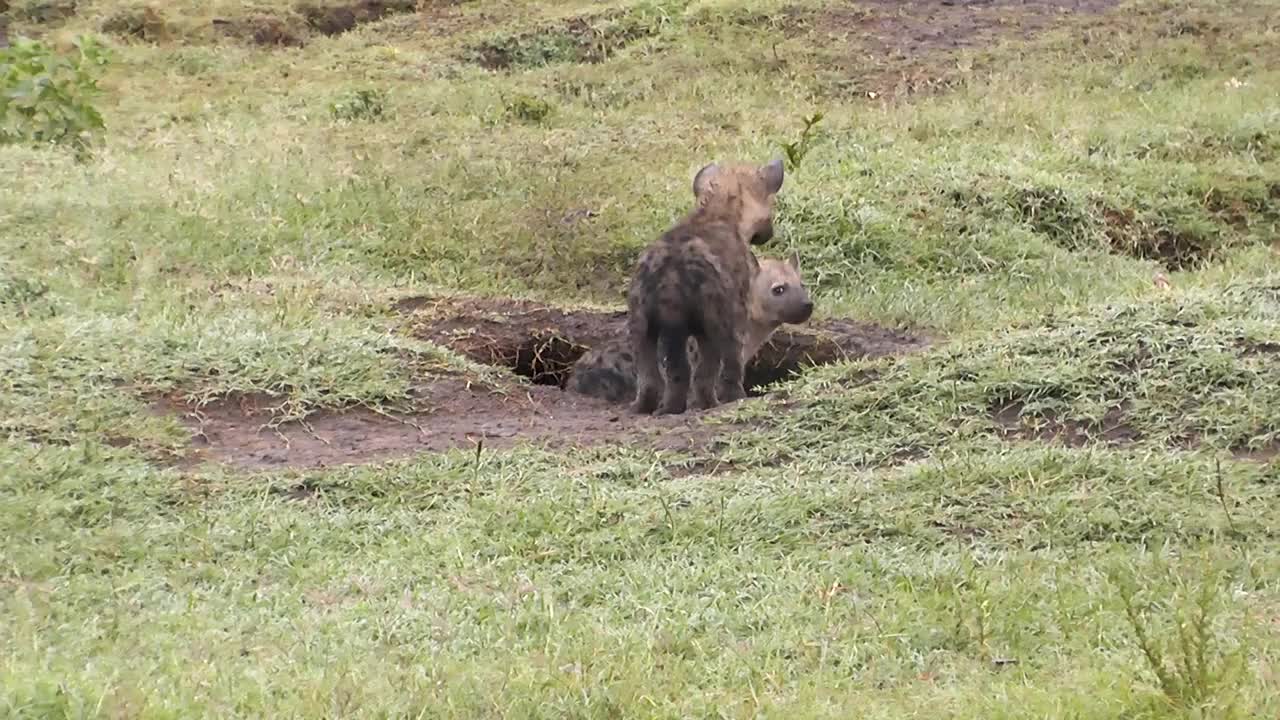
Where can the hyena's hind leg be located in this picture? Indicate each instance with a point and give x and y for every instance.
(675, 349)
(706, 373)
(724, 338)
(644, 346)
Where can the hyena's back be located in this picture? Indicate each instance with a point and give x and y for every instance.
(692, 283)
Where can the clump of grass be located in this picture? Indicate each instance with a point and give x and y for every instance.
(44, 11)
(587, 39)
(364, 105)
(528, 109)
(1169, 372)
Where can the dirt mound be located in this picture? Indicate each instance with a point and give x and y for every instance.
(891, 47)
(537, 341)
(307, 20)
(263, 30)
(340, 18)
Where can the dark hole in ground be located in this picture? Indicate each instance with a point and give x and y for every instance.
(542, 342)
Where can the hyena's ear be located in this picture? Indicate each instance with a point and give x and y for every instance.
(772, 175)
(794, 261)
(702, 181)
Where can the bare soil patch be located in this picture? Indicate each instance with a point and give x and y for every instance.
(262, 30)
(1015, 422)
(895, 47)
(329, 19)
(449, 413)
(539, 342)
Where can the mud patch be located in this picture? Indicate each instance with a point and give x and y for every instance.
(262, 30)
(1174, 248)
(895, 47)
(452, 413)
(542, 342)
(337, 19)
(1265, 454)
(1015, 422)
(308, 20)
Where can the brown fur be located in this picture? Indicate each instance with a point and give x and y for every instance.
(778, 296)
(694, 281)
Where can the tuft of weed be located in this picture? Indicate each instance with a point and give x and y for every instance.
(365, 105)
(47, 97)
(528, 109)
(1194, 669)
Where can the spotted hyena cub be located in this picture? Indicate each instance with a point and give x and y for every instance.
(778, 296)
(694, 282)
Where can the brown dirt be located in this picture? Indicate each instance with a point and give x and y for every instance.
(895, 47)
(538, 341)
(307, 20)
(1174, 249)
(1015, 423)
(330, 19)
(452, 414)
(1266, 454)
(262, 30)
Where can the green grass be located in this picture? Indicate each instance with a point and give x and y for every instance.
(877, 546)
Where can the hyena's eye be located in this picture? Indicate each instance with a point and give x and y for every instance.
(779, 289)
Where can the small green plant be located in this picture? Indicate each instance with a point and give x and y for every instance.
(527, 108)
(1192, 668)
(46, 96)
(361, 105)
(797, 150)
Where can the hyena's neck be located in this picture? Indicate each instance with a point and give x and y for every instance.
(720, 210)
(758, 333)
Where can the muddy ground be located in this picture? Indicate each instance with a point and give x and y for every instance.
(536, 341)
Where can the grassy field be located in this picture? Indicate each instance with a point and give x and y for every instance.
(1067, 506)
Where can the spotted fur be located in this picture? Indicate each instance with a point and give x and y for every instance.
(778, 296)
(693, 281)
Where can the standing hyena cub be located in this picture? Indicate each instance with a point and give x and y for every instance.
(694, 282)
(778, 296)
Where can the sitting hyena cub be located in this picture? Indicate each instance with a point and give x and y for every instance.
(694, 281)
(778, 296)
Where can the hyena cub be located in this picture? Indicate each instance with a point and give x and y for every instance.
(778, 296)
(694, 282)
